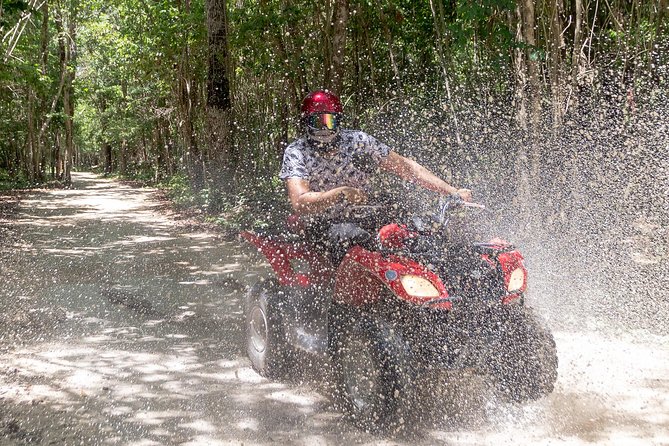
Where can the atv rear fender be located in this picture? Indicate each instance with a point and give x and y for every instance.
(293, 262)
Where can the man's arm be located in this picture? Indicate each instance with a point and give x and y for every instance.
(304, 201)
(410, 170)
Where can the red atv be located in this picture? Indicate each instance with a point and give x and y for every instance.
(413, 298)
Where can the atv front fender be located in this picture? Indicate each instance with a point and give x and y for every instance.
(363, 274)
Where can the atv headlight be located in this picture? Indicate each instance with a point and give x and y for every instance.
(418, 286)
(517, 280)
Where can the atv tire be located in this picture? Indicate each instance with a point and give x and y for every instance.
(526, 365)
(266, 345)
(372, 367)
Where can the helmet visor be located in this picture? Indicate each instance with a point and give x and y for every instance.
(323, 121)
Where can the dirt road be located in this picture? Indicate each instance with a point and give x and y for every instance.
(121, 325)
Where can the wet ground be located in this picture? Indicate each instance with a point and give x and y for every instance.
(122, 324)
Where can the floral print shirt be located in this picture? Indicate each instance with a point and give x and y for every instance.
(336, 167)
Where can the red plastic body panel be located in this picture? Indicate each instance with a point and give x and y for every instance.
(508, 262)
(392, 236)
(280, 254)
(362, 274)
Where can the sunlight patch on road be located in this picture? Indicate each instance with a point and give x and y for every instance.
(248, 424)
(143, 239)
(588, 384)
(297, 397)
(197, 236)
(119, 410)
(226, 268)
(196, 282)
(36, 392)
(200, 426)
(240, 375)
(80, 251)
(158, 417)
(200, 440)
(84, 379)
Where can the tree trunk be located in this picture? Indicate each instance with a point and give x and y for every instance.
(578, 44)
(370, 57)
(219, 102)
(65, 50)
(358, 74)
(58, 167)
(187, 100)
(294, 81)
(653, 63)
(159, 144)
(42, 154)
(68, 97)
(439, 26)
(340, 20)
(526, 81)
(531, 57)
(393, 63)
(44, 38)
(106, 148)
(519, 71)
(218, 80)
(326, 47)
(167, 146)
(68, 106)
(555, 47)
(107, 154)
(31, 168)
(123, 158)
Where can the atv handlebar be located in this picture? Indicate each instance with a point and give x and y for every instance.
(393, 211)
(451, 203)
(475, 205)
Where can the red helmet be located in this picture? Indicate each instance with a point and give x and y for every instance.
(321, 101)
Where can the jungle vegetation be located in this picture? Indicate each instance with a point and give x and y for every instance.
(549, 101)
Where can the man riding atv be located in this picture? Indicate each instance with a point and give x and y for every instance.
(399, 307)
(322, 176)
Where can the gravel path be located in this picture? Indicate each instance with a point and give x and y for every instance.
(121, 325)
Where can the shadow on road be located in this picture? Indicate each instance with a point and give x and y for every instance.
(121, 326)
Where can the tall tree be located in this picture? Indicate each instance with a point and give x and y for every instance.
(188, 99)
(556, 46)
(70, 48)
(334, 66)
(219, 99)
(439, 27)
(529, 95)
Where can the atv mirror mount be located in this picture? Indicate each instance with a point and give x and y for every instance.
(447, 204)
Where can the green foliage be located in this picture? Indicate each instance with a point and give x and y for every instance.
(10, 11)
(180, 191)
(12, 181)
(257, 205)
(141, 72)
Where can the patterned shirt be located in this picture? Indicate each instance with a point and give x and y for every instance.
(335, 168)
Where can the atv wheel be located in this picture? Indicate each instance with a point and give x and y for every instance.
(271, 356)
(372, 371)
(526, 365)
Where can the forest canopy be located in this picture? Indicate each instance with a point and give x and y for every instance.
(206, 93)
